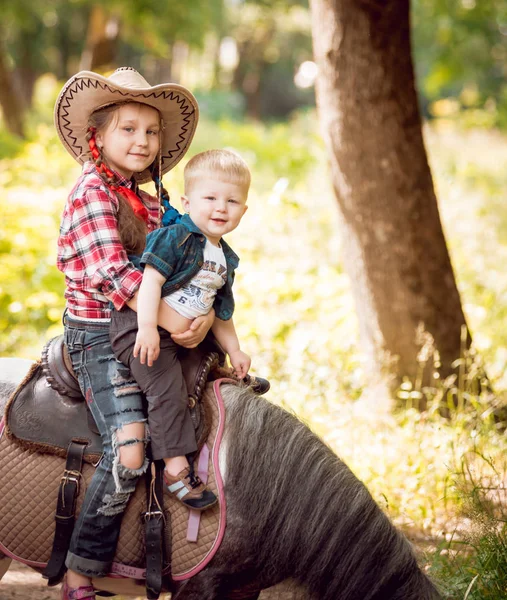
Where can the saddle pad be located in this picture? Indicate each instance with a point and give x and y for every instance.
(29, 484)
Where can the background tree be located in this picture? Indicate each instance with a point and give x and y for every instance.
(101, 39)
(272, 39)
(37, 38)
(461, 53)
(48, 38)
(393, 245)
(11, 110)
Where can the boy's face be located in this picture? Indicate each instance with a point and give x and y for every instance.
(216, 206)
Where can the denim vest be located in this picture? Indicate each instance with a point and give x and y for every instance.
(177, 253)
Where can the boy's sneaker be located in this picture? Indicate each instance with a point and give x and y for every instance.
(190, 490)
(259, 385)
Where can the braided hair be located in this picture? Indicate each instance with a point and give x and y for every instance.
(132, 227)
(169, 214)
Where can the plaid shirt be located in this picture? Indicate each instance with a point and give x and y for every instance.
(90, 254)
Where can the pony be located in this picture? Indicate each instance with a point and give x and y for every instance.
(295, 512)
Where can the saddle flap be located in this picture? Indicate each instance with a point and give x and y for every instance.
(196, 365)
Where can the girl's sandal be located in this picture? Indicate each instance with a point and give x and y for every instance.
(85, 592)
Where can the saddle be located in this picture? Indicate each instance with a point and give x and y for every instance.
(47, 414)
(161, 542)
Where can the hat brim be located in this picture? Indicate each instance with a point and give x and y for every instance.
(87, 91)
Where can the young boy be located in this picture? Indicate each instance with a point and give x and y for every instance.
(192, 268)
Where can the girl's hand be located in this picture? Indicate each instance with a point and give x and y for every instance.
(241, 363)
(197, 331)
(147, 345)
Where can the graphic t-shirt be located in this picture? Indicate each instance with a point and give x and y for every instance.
(196, 297)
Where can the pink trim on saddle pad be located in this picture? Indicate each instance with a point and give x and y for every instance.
(219, 482)
(194, 516)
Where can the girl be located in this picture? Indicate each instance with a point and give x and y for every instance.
(134, 133)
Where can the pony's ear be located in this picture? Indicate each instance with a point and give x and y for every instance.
(185, 202)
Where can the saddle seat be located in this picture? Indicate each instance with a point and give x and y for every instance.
(48, 411)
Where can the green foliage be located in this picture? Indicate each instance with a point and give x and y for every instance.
(272, 42)
(217, 105)
(10, 145)
(460, 52)
(470, 176)
(474, 560)
(50, 37)
(31, 290)
(40, 37)
(150, 24)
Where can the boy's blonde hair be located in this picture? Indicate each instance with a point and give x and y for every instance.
(223, 164)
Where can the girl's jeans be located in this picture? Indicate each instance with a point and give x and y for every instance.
(114, 400)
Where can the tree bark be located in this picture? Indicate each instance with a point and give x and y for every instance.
(12, 107)
(393, 245)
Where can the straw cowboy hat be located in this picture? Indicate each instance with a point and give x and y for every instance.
(86, 92)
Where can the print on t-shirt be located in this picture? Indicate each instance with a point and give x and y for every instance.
(196, 297)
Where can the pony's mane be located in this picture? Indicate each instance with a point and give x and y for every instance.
(313, 519)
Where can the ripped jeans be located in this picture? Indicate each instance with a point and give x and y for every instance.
(114, 400)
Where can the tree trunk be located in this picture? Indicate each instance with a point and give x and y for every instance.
(247, 76)
(393, 245)
(251, 67)
(101, 36)
(64, 45)
(12, 107)
(25, 76)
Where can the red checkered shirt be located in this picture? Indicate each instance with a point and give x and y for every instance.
(90, 254)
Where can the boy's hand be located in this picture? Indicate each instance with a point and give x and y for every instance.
(147, 345)
(240, 362)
